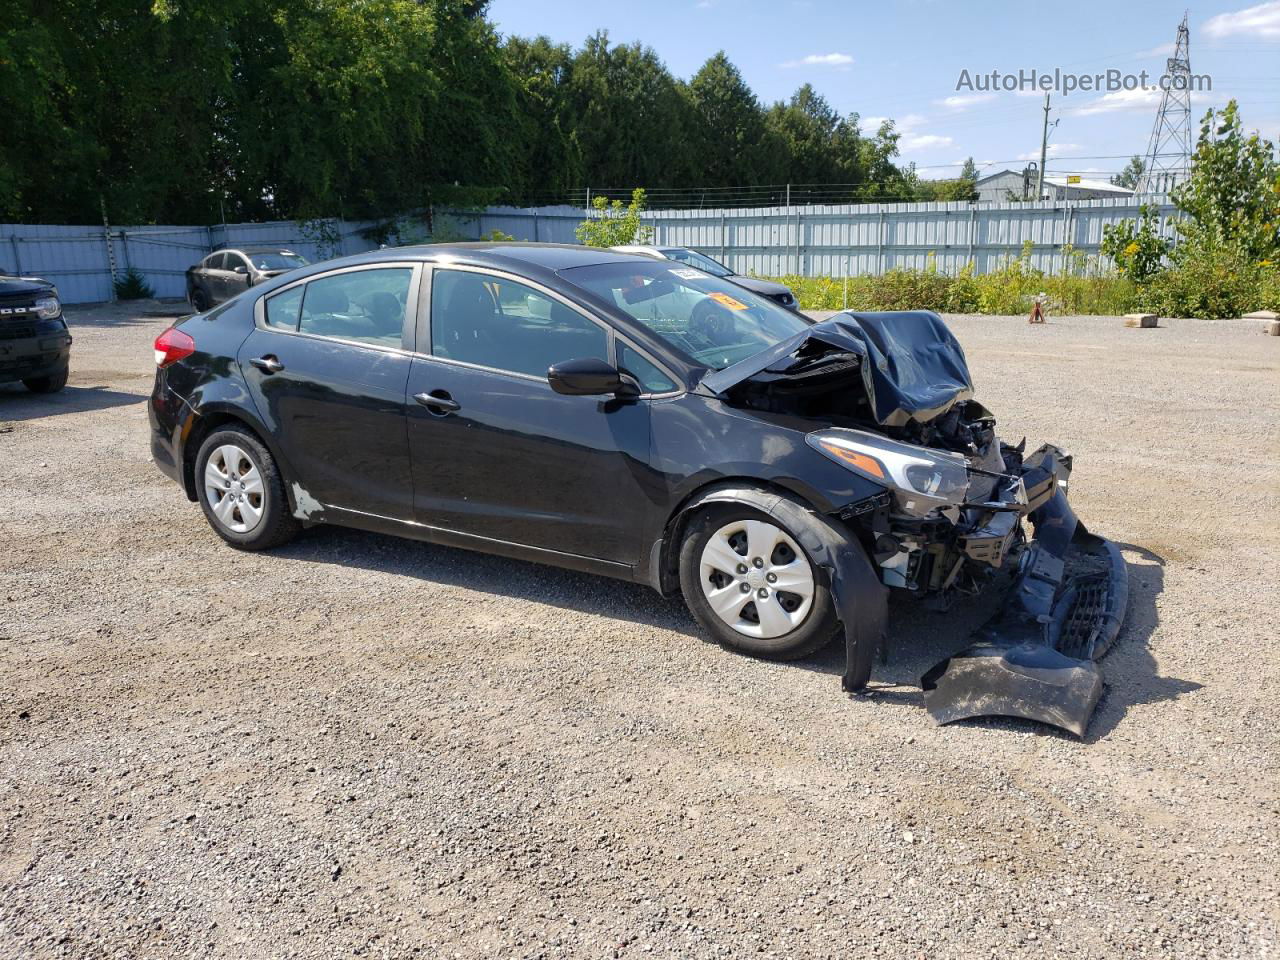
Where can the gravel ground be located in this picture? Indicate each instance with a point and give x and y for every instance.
(358, 745)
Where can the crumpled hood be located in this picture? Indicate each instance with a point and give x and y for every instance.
(913, 368)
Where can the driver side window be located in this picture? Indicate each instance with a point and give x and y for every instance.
(495, 322)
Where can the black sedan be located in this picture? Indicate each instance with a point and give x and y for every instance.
(224, 274)
(626, 416)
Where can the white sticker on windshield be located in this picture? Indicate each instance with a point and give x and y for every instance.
(688, 273)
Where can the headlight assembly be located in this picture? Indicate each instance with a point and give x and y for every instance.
(48, 307)
(921, 479)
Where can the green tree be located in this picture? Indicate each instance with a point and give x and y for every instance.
(728, 125)
(1131, 174)
(615, 224)
(631, 118)
(1232, 198)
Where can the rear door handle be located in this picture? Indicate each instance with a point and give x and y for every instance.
(267, 364)
(441, 404)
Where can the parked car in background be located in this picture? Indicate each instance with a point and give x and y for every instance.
(225, 273)
(638, 418)
(776, 292)
(35, 346)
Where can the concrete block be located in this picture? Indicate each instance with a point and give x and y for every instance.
(1271, 328)
(1262, 315)
(1143, 320)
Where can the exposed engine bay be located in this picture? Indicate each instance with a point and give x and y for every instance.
(895, 398)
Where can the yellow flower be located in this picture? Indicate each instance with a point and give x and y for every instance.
(1131, 249)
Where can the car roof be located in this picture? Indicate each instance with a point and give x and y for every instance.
(259, 248)
(547, 256)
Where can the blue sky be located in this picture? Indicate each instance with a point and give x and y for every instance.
(903, 60)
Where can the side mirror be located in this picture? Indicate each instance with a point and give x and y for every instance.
(590, 378)
(242, 269)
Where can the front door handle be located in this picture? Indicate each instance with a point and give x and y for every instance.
(438, 404)
(267, 364)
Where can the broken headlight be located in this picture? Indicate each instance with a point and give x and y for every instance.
(921, 479)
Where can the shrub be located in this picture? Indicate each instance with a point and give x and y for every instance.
(616, 224)
(1214, 283)
(132, 285)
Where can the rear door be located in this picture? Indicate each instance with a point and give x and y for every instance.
(496, 452)
(327, 366)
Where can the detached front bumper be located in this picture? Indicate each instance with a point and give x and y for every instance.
(1036, 657)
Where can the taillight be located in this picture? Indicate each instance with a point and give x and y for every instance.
(173, 345)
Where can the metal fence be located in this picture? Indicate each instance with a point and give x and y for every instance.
(854, 239)
(845, 240)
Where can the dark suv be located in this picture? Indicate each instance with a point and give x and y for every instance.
(225, 273)
(35, 346)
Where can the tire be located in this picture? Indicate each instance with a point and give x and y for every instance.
(199, 300)
(241, 491)
(810, 623)
(50, 384)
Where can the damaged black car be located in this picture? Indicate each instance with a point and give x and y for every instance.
(645, 420)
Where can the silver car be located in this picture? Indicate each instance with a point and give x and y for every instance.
(225, 273)
(776, 292)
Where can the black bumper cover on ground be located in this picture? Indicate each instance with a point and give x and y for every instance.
(1035, 658)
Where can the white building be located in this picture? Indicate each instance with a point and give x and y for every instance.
(1013, 184)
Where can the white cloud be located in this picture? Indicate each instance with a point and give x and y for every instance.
(963, 101)
(1140, 99)
(924, 141)
(1055, 150)
(1162, 50)
(841, 61)
(1262, 21)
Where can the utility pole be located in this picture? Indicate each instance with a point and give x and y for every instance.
(1044, 150)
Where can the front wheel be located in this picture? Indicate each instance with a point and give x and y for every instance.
(241, 491)
(50, 384)
(750, 584)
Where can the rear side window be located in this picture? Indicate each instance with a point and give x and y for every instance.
(363, 305)
(283, 309)
(494, 322)
(214, 261)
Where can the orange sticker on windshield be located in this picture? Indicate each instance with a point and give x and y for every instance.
(727, 301)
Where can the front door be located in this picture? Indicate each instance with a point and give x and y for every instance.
(496, 452)
(327, 370)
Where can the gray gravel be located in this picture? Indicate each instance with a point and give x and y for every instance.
(363, 746)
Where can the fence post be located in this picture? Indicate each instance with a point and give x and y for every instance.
(535, 224)
(724, 237)
(111, 253)
(17, 258)
(799, 266)
(880, 243)
(973, 229)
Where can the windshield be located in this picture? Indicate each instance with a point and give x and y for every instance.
(696, 259)
(276, 260)
(710, 320)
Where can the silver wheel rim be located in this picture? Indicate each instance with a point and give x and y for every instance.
(234, 488)
(756, 579)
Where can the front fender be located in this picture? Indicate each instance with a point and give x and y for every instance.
(862, 601)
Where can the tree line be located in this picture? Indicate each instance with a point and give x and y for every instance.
(193, 111)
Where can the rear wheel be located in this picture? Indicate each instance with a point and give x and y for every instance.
(50, 384)
(750, 584)
(241, 491)
(199, 300)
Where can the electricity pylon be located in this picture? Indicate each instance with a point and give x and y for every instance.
(1169, 152)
